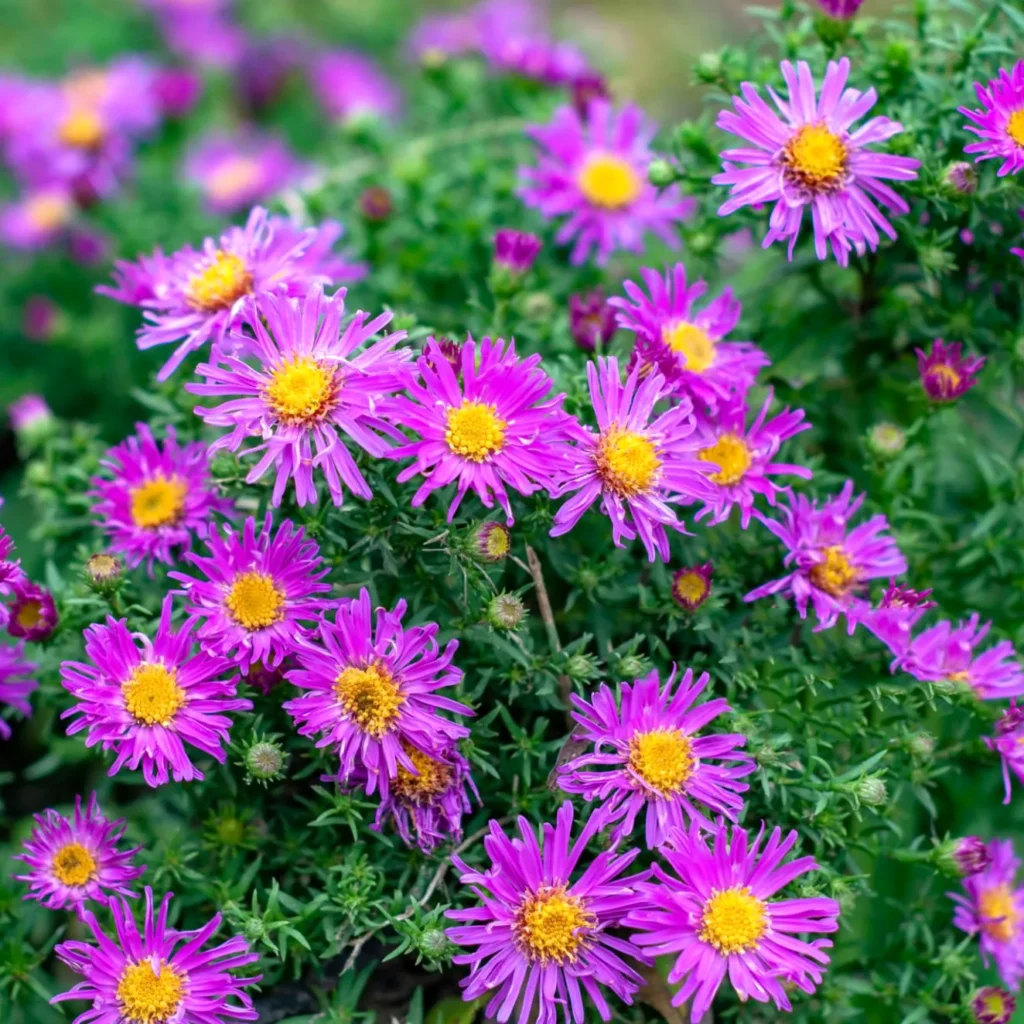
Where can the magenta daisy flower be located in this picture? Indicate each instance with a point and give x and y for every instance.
(314, 382)
(349, 86)
(638, 466)
(745, 456)
(16, 682)
(993, 1005)
(480, 429)
(372, 692)
(648, 758)
(691, 585)
(591, 319)
(1008, 742)
(258, 591)
(198, 297)
(145, 699)
(72, 860)
(11, 573)
(894, 618)
(515, 250)
(158, 975)
(541, 941)
(945, 373)
(33, 616)
(814, 157)
(177, 90)
(593, 172)
(38, 219)
(157, 498)
(685, 345)
(994, 907)
(947, 652)
(717, 914)
(831, 563)
(233, 173)
(999, 123)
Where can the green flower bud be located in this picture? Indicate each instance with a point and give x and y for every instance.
(871, 791)
(708, 67)
(506, 611)
(433, 943)
(661, 173)
(104, 573)
(886, 440)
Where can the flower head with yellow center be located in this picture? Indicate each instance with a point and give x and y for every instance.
(815, 158)
(223, 280)
(234, 177)
(371, 697)
(158, 501)
(152, 695)
(424, 785)
(302, 390)
(149, 992)
(255, 601)
(74, 865)
(732, 455)
(691, 586)
(627, 462)
(693, 343)
(83, 128)
(998, 911)
(474, 431)
(1015, 127)
(551, 926)
(835, 573)
(610, 181)
(662, 759)
(733, 921)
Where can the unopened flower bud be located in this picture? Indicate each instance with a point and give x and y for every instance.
(961, 177)
(506, 611)
(660, 173)
(104, 572)
(993, 1005)
(921, 745)
(886, 440)
(871, 791)
(433, 943)
(375, 203)
(265, 761)
(491, 542)
(708, 67)
(971, 855)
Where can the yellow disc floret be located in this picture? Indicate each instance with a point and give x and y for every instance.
(732, 456)
(835, 574)
(1015, 127)
(690, 587)
(301, 390)
(151, 693)
(551, 926)
(74, 865)
(610, 181)
(220, 285)
(431, 778)
(82, 129)
(255, 601)
(370, 696)
(232, 177)
(160, 501)
(30, 614)
(998, 913)
(474, 431)
(734, 921)
(627, 462)
(692, 342)
(662, 758)
(815, 157)
(47, 212)
(148, 996)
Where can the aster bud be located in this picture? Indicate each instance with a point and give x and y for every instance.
(506, 611)
(661, 173)
(581, 666)
(104, 573)
(631, 666)
(961, 177)
(490, 542)
(921, 745)
(971, 855)
(514, 253)
(31, 420)
(691, 585)
(375, 203)
(993, 1005)
(264, 760)
(591, 320)
(538, 306)
(886, 440)
(433, 943)
(871, 791)
(708, 68)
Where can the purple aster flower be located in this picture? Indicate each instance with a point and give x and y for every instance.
(203, 36)
(812, 158)
(716, 913)
(40, 318)
(1008, 742)
(258, 591)
(437, 37)
(540, 940)
(11, 573)
(376, 204)
(372, 692)
(515, 250)
(71, 860)
(491, 542)
(14, 686)
(993, 1005)
(480, 431)
(315, 381)
(685, 345)
(177, 91)
(994, 906)
(38, 219)
(591, 320)
(971, 855)
(691, 585)
(588, 86)
(193, 297)
(350, 86)
(745, 456)
(999, 124)
(86, 247)
(33, 616)
(946, 652)
(539, 58)
(593, 172)
(945, 373)
(638, 466)
(29, 413)
(266, 68)
(145, 699)
(234, 172)
(830, 562)
(158, 974)
(842, 9)
(157, 498)
(649, 759)
(894, 618)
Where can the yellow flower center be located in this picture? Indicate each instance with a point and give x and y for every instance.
(610, 181)
(551, 925)
(82, 128)
(732, 456)
(30, 614)
(147, 997)
(662, 758)
(232, 177)
(474, 431)
(835, 575)
(995, 1004)
(692, 342)
(370, 696)
(997, 902)
(433, 778)
(734, 921)
(1015, 127)
(627, 462)
(255, 601)
(691, 587)
(301, 390)
(948, 377)
(220, 285)
(958, 677)
(47, 212)
(151, 694)
(160, 501)
(498, 542)
(816, 158)
(73, 864)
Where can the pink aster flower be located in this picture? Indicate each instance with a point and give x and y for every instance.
(945, 373)
(190, 297)
(233, 173)
(154, 499)
(145, 699)
(813, 157)
(691, 585)
(349, 86)
(33, 616)
(311, 382)
(831, 563)
(437, 37)
(38, 219)
(258, 591)
(715, 911)
(201, 34)
(537, 57)
(16, 682)
(637, 465)
(999, 123)
(745, 456)
(649, 759)
(593, 172)
(591, 320)
(515, 250)
(541, 940)
(994, 907)
(1008, 742)
(892, 621)
(947, 652)
(158, 974)
(480, 429)
(373, 692)
(71, 860)
(685, 345)
(11, 573)
(993, 1005)
(177, 91)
